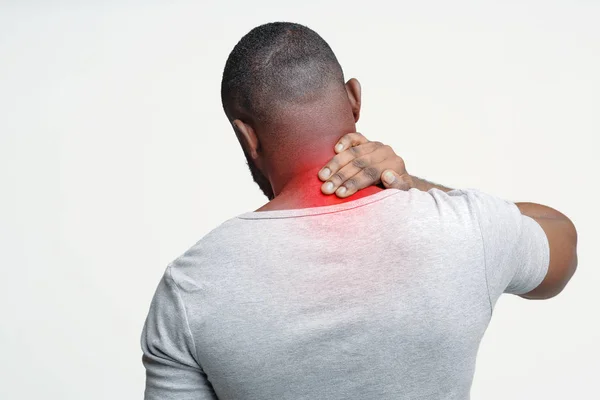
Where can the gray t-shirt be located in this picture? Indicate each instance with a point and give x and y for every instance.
(383, 297)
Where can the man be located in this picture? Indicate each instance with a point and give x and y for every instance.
(382, 295)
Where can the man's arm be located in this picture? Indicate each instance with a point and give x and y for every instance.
(360, 163)
(560, 232)
(419, 183)
(562, 240)
(169, 354)
(354, 167)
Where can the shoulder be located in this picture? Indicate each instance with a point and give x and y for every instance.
(201, 258)
(457, 203)
(477, 203)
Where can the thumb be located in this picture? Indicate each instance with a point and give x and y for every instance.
(391, 179)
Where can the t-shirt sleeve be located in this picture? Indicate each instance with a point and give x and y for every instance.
(516, 248)
(169, 356)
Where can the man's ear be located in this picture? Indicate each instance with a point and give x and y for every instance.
(247, 137)
(249, 141)
(353, 90)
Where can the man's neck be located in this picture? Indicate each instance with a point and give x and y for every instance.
(304, 191)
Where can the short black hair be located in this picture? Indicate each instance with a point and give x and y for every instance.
(274, 65)
(277, 64)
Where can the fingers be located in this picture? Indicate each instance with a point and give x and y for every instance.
(342, 159)
(360, 163)
(391, 179)
(358, 174)
(364, 178)
(350, 140)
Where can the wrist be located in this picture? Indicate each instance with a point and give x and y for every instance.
(424, 185)
(416, 183)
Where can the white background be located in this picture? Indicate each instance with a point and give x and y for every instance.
(116, 157)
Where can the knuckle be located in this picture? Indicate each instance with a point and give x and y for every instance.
(337, 177)
(359, 163)
(400, 164)
(350, 183)
(346, 137)
(336, 162)
(354, 150)
(372, 173)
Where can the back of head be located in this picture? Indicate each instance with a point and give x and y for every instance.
(276, 68)
(283, 90)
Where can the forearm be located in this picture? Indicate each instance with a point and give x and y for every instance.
(541, 212)
(425, 185)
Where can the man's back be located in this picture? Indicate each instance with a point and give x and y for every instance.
(383, 297)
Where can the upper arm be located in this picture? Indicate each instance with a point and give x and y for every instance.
(515, 247)
(169, 355)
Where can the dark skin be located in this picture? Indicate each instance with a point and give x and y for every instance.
(347, 172)
(360, 168)
(285, 175)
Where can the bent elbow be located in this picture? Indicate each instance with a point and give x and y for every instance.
(553, 286)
